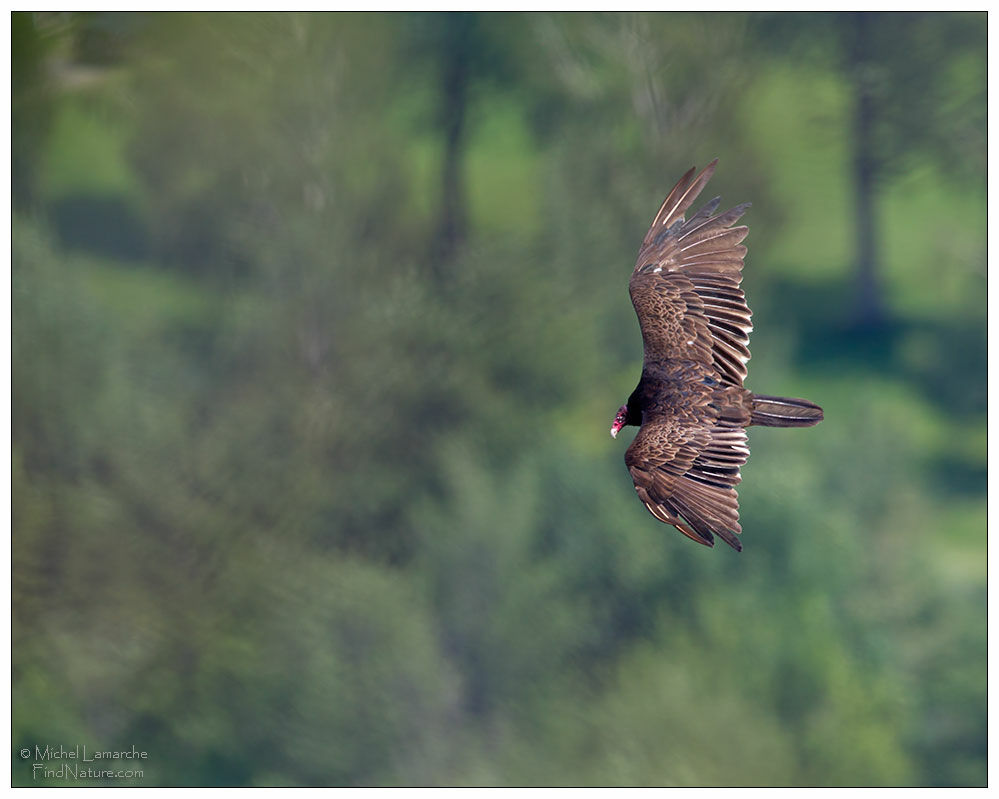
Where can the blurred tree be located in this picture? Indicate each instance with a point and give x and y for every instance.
(466, 54)
(902, 109)
(870, 307)
(456, 49)
(34, 38)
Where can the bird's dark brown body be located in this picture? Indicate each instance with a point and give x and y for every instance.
(687, 389)
(690, 402)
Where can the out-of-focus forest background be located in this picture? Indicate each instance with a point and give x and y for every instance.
(319, 325)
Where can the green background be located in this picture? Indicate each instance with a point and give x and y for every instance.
(319, 325)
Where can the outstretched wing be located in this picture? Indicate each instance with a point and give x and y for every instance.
(685, 286)
(685, 472)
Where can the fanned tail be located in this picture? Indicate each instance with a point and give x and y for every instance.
(784, 412)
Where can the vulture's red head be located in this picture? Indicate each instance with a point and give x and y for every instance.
(619, 420)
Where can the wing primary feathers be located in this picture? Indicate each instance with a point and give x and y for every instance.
(699, 524)
(683, 196)
(701, 218)
(724, 220)
(687, 198)
(671, 199)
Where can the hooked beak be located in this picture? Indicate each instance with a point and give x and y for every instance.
(620, 420)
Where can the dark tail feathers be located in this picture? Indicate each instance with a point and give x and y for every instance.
(784, 412)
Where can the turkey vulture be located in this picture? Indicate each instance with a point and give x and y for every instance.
(690, 402)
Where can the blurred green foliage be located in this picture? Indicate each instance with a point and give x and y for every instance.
(297, 499)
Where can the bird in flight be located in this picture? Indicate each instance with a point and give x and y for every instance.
(690, 402)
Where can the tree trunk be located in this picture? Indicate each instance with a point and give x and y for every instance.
(453, 224)
(869, 306)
